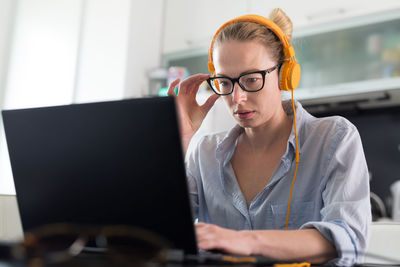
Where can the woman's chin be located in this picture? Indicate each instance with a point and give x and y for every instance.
(246, 123)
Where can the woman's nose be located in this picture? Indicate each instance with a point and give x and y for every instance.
(238, 94)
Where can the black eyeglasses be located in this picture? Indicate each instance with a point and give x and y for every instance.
(64, 244)
(249, 82)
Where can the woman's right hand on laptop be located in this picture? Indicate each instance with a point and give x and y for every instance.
(191, 114)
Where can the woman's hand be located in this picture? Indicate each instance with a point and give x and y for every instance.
(191, 114)
(210, 236)
(286, 245)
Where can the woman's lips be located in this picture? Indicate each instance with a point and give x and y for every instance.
(244, 114)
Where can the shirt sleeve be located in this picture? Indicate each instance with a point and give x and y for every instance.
(191, 165)
(346, 214)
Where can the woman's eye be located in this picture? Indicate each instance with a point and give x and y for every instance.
(251, 80)
(224, 83)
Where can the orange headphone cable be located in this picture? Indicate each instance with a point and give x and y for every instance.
(297, 162)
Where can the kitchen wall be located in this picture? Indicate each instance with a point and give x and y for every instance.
(10, 223)
(7, 13)
(56, 52)
(69, 51)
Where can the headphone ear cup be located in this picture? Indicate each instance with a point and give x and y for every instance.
(283, 76)
(295, 72)
(289, 75)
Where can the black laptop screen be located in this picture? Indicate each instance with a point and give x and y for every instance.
(117, 162)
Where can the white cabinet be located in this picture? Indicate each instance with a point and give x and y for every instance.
(312, 12)
(350, 59)
(191, 23)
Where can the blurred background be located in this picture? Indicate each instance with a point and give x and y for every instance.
(55, 52)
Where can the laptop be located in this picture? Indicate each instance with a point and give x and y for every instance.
(105, 163)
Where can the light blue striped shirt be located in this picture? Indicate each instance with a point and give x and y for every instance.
(331, 192)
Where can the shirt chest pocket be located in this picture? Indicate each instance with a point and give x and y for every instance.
(300, 213)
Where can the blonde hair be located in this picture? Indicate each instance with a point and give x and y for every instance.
(248, 31)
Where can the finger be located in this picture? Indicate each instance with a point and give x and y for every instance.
(194, 78)
(209, 103)
(207, 231)
(172, 86)
(201, 226)
(203, 235)
(202, 230)
(207, 240)
(192, 83)
(206, 245)
(195, 87)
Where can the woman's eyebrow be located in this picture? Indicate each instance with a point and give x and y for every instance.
(250, 70)
(244, 72)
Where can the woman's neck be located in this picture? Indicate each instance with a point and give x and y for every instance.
(274, 132)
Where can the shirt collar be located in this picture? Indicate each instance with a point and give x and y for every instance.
(226, 146)
(301, 115)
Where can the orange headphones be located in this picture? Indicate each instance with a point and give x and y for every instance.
(289, 75)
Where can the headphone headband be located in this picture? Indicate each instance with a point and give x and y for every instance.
(288, 49)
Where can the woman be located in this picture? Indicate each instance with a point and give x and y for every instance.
(240, 181)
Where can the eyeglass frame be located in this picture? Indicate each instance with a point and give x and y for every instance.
(236, 80)
(24, 251)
